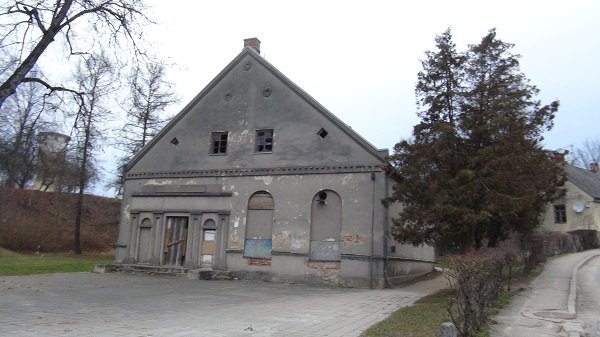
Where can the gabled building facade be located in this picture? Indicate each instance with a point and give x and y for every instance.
(256, 178)
(579, 209)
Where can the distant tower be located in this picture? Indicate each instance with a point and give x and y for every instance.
(52, 149)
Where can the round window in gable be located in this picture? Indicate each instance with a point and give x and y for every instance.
(267, 92)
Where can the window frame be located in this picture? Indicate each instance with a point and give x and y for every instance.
(560, 214)
(216, 144)
(262, 141)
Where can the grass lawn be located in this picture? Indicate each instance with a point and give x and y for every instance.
(12, 263)
(422, 319)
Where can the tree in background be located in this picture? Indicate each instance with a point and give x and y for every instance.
(587, 154)
(474, 170)
(94, 79)
(21, 119)
(28, 28)
(150, 95)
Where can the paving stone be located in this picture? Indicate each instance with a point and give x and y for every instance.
(82, 304)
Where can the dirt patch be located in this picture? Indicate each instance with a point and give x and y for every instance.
(44, 221)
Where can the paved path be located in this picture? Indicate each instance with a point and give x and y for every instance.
(588, 297)
(546, 307)
(84, 304)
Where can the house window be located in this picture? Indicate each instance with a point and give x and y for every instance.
(264, 140)
(560, 214)
(218, 143)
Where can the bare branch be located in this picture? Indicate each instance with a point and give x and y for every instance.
(51, 88)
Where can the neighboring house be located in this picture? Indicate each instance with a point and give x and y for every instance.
(580, 207)
(256, 178)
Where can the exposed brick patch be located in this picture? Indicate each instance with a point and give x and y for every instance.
(351, 240)
(259, 262)
(324, 264)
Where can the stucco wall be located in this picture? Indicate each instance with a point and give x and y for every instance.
(177, 174)
(237, 104)
(362, 228)
(589, 218)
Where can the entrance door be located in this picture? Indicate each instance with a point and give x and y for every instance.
(175, 241)
(208, 250)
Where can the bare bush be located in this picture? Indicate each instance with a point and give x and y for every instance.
(477, 279)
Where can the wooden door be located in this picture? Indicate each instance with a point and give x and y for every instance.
(175, 241)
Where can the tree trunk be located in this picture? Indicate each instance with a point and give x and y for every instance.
(82, 182)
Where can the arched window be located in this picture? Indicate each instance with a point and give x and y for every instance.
(259, 226)
(325, 226)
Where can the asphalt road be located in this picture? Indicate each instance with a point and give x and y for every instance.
(588, 297)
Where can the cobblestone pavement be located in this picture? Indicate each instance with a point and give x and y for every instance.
(85, 304)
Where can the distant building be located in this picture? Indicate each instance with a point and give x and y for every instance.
(256, 178)
(580, 207)
(51, 160)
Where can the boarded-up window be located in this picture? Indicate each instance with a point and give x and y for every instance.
(326, 226)
(259, 226)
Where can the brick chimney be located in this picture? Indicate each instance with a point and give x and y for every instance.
(252, 43)
(594, 167)
(559, 157)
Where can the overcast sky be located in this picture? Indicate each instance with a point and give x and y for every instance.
(360, 59)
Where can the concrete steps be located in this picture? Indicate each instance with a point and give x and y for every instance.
(173, 271)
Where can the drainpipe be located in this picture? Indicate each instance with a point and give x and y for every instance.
(386, 225)
(372, 233)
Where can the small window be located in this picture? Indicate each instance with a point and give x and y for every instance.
(560, 214)
(218, 143)
(264, 141)
(322, 133)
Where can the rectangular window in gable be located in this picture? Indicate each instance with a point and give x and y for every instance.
(218, 143)
(560, 214)
(264, 141)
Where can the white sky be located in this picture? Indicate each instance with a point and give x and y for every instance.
(360, 59)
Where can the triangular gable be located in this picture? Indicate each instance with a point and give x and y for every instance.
(379, 154)
(587, 181)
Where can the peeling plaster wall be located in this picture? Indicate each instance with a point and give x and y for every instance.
(183, 177)
(293, 196)
(237, 104)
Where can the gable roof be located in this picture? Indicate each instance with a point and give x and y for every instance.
(586, 180)
(379, 154)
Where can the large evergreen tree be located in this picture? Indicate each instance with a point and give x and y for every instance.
(474, 170)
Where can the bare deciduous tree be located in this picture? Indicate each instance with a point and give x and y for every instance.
(150, 94)
(587, 154)
(29, 27)
(94, 79)
(21, 119)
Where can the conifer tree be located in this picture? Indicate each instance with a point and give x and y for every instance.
(475, 170)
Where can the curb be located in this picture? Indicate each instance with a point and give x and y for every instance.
(575, 329)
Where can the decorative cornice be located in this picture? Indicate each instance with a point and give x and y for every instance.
(182, 194)
(239, 172)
